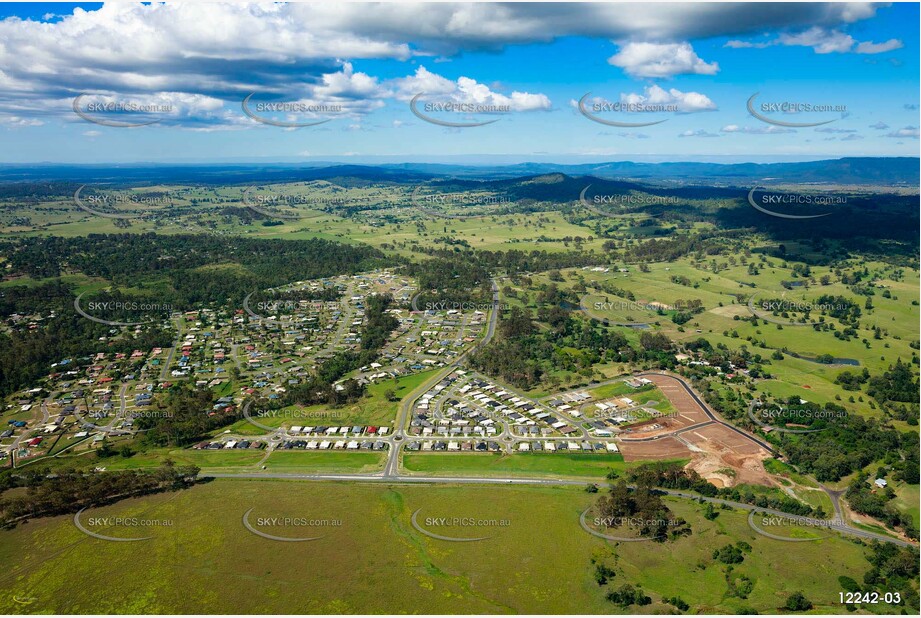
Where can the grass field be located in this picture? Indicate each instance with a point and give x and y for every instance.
(224, 459)
(370, 559)
(373, 409)
(545, 464)
(336, 461)
(907, 500)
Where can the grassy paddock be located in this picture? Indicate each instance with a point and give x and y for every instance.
(370, 559)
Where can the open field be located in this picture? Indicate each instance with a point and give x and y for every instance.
(369, 557)
(542, 464)
(725, 296)
(337, 461)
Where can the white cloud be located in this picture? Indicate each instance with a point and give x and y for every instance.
(909, 131)
(867, 47)
(465, 90)
(879, 126)
(17, 121)
(697, 133)
(298, 51)
(748, 45)
(661, 60)
(683, 101)
(771, 130)
(822, 41)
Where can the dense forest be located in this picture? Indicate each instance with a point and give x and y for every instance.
(184, 270)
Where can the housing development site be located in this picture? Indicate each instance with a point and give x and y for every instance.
(268, 346)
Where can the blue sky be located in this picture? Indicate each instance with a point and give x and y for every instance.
(524, 66)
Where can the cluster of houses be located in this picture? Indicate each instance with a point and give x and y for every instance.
(572, 446)
(323, 445)
(425, 340)
(356, 430)
(465, 405)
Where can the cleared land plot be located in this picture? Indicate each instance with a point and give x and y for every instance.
(687, 411)
(664, 448)
(723, 450)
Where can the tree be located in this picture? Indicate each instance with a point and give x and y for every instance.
(797, 602)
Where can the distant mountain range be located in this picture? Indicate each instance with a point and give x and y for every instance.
(851, 170)
(888, 171)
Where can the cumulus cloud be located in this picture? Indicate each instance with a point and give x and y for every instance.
(683, 101)
(661, 60)
(465, 90)
(879, 126)
(304, 52)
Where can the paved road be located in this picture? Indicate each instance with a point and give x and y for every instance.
(164, 373)
(391, 469)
